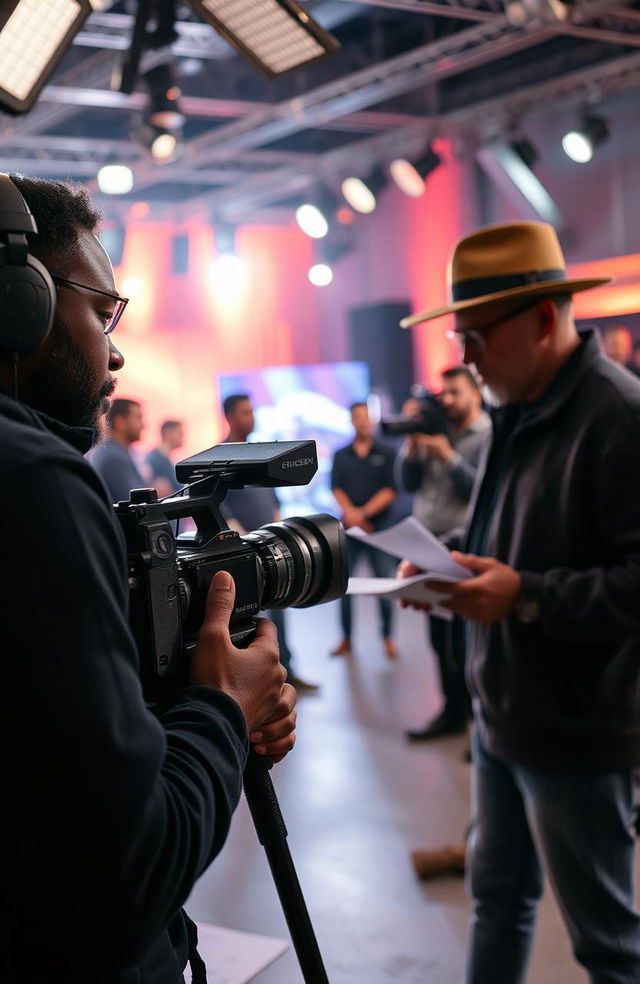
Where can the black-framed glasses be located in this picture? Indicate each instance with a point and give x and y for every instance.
(120, 302)
(477, 337)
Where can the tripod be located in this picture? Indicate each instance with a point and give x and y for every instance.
(272, 834)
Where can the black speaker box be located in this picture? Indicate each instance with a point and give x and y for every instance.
(377, 339)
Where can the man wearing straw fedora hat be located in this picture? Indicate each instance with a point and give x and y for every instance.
(553, 612)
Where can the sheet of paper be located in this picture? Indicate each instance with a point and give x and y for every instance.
(409, 540)
(396, 588)
(232, 957)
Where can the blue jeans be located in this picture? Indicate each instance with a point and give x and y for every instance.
(579, 831)
(382, 565)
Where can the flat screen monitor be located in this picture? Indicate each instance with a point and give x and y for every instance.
(309, 402)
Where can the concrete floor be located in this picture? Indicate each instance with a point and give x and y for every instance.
(357, 799)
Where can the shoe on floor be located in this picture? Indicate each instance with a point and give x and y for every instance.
(342, 649)
(447, 860)
(390, 649)
(303, 686)
(438, 728)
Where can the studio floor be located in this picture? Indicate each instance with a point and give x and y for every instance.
(357, 798)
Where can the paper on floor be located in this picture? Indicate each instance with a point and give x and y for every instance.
(232, 957)
(409, 540)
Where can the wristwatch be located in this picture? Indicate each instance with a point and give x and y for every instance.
(528, 604)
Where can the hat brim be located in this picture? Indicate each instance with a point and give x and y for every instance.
(547, 288)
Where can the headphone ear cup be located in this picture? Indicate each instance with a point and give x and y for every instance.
(27, 306)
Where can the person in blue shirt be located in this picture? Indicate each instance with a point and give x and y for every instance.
(112, 458)
(158, 461)
(247, 509)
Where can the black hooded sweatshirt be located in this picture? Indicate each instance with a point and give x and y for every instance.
(110, 812)
(560, 503)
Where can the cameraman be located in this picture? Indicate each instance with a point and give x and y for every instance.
(111, 811)
(440, 469)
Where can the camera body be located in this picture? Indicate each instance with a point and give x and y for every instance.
(298, 562)
(433, 419)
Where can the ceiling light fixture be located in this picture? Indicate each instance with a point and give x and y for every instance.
(580, 144)
(410, 176)
(312, 220)
(33, 38)
(274, 36)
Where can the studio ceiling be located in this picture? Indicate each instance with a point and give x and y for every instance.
(407, 71)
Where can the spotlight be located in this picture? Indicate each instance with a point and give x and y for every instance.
(164, 109)
(115, 179)
(312, 221)
(163, 145)
(274, 36)
(361, 194)
(529, 13)
(33, 38)
(320, 274)
(410, 176)
(580, 144)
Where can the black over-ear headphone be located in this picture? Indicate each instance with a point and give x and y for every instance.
(27, 294)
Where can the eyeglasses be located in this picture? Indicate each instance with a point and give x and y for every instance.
(111, 320)
(476, 338)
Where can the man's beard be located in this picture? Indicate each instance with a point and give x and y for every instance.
(68, 387)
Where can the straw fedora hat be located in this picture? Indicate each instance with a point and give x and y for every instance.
(503, 261)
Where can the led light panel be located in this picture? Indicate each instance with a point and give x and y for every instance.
(273, 35)
(34, 34)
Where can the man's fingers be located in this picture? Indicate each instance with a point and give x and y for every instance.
(265, 632)
(219, 604)
(473, 562)
(275, 730)
(277, 750)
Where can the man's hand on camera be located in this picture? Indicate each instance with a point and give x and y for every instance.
(438, 445)
(487, 598)
(254, 676)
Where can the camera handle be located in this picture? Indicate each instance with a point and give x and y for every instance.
(272, 834)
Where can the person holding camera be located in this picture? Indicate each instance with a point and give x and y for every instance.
(440, 469)
(111, 810)
(553, 542)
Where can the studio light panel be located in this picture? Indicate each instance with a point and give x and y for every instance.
(34, 34)
(273, 35)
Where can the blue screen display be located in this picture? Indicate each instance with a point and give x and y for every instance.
(304, 403)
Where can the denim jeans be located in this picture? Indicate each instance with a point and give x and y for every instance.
(382, 565)
(579, 831)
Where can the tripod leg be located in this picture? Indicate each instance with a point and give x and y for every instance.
(272, 834)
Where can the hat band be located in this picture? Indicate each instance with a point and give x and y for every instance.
(465, 290)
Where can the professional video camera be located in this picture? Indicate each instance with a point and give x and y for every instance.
(432, 419)
(298, 562)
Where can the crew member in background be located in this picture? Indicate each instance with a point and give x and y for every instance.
(247, 509)
(440, 470)
(112, 458)
(161, 467)
(617, 344)
(364, 487)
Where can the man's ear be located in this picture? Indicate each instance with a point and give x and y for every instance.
(547, 317)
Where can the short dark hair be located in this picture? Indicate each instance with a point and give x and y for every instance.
(59, 209)
(461, 370)
(358, 403)
(168, 425)
(120, 408)
(232, 401)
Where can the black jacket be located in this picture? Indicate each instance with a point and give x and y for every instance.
(563, 692)
(110, 813)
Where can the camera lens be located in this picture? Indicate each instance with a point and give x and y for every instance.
(303, 561)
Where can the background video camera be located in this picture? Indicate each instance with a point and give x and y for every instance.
(433, 419)
(297, 562)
